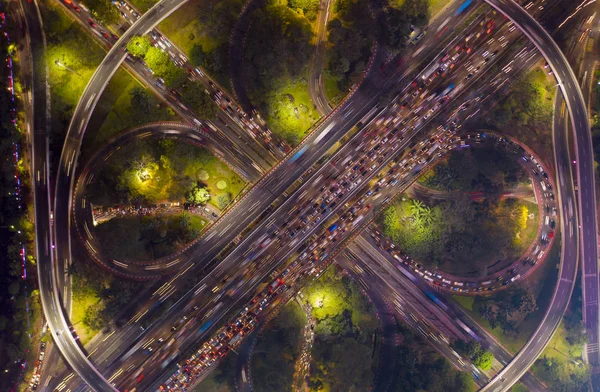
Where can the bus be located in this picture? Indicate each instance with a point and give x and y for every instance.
(463, 7)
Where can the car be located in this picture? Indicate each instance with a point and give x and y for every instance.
(91, 22)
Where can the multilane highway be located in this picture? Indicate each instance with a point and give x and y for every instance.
(109, 55)
(586, 206)
(80, 119)
(234, 252)
(82, 210)
(291, 219)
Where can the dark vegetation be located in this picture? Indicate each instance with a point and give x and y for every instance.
(351, 38)
(459, 235)
(104, 10)
(276, 56)
(201, 28)
(147, 237)
(353, 30)
(507, 309)
(222, 379)
(485, 169)
(277, 350)
(342, 351)
(19, 299)
(526, 113)
(420, 368)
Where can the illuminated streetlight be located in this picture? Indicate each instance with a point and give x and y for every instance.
(65, 67)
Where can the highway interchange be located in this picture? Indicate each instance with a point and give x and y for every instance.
(275, 183)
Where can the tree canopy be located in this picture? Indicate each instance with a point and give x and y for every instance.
(104, 11)
(139, 46)
(195, 97)
(162, 66)
(198, 195)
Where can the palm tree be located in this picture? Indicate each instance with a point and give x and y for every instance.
(427, 215)
(416, 207)
(184, 221)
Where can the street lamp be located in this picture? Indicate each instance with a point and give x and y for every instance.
(65, 67)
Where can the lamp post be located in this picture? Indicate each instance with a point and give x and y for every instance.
(65, 67)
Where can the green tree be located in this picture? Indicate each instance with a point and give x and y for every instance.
(104, 11)
(198, 55)
(483, 360)
(195, 97)
(93, 317)
(159, 62)
(140, 99)
(198, 195)
(139, 46)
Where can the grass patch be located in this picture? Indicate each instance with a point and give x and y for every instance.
(143, 5)
(292, 112)
(277, 349)
(81, 302)
(332, 91)
(77, 55)
(124, 104)
(435, 6)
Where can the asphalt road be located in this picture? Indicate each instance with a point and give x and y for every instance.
(57, 321)
(588, 250)
(50, 298)
(331, 135)
(586, 73)
(316, 87)
(305, 154)
(82, 212)
(379, 268)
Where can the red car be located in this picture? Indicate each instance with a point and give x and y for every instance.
(91, 22)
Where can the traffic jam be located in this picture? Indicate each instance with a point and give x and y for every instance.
(352, 175)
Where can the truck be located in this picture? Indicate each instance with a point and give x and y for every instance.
(274, 285)
(235, 339)
(433, 148)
